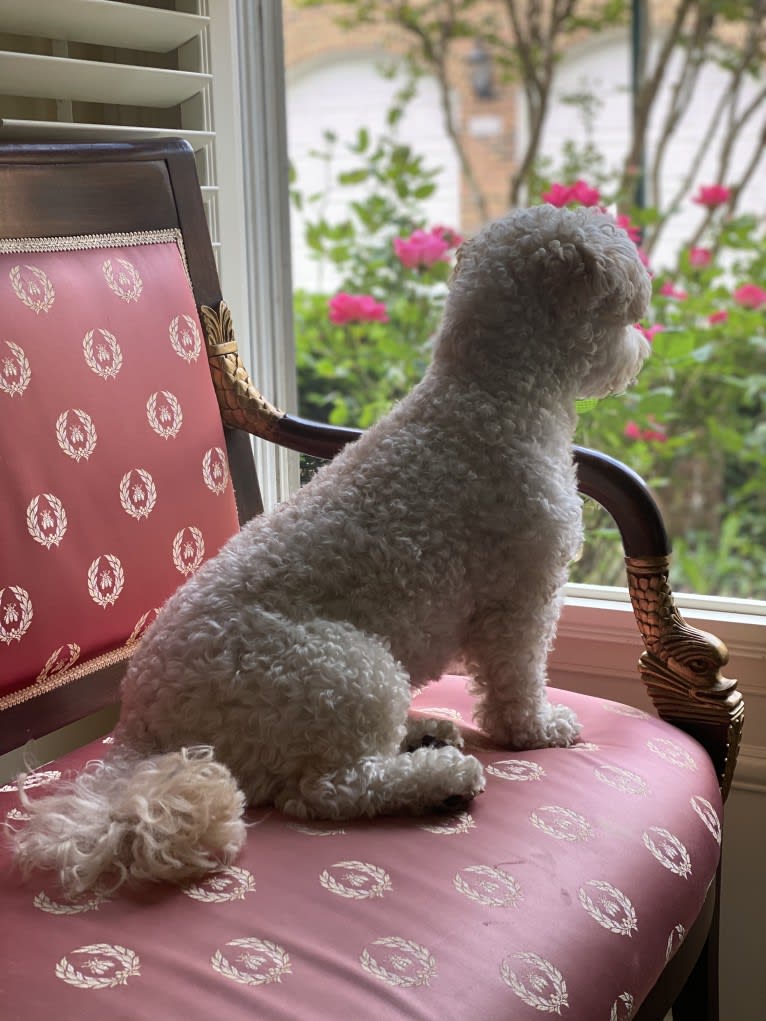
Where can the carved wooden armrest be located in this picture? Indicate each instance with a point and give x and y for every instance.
(244, 407)
(681, 667)
(241, 404)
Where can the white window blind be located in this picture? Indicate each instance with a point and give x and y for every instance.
(91, 70)
(87, 70)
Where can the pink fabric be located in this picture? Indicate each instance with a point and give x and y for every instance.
(104, 391)
(562, 892)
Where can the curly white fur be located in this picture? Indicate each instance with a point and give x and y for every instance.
(445, 530)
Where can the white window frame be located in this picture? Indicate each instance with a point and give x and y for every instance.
(252, 167)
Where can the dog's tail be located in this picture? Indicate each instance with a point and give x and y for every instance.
(167, 817)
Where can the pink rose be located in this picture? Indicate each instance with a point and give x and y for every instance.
(450, 237)
(633, 431)
(584, 194)
(750, 296)
(421, 249)
(356, 308)
(712, 195)
(562, 194)
(700, 257)
(669, 290)
(557, 195)
(650, 332)
(653, 435)
(633, 232)
(718, 317)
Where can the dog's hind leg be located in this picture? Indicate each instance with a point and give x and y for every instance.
(414, 783)
(346, 731)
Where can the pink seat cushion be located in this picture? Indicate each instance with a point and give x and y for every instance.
(563, 891)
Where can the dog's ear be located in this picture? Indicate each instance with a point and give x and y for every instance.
(593, 270)
(616, 279)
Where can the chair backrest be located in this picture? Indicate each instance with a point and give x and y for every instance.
(114, 468)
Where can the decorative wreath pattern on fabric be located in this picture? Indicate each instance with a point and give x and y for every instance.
(364, 892)
(100, 361)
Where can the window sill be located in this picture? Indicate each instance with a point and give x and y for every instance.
(598, 646)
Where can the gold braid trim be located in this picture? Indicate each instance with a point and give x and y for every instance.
(242, 406)
(681, 666)
(75, 673)
(84, 242)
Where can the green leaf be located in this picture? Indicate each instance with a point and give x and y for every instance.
(362, 141)
(353, 176)
(394, 115)
(582, 407)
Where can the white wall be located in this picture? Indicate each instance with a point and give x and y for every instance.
(343, 94)
(602, 66)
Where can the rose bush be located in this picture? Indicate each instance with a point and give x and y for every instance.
(693, 426)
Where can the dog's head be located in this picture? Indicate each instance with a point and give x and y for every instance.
(553, 290)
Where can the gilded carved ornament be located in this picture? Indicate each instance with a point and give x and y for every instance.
(681, 666)
(242, 405)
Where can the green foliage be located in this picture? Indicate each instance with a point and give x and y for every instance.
(350, 374)
(693, 426)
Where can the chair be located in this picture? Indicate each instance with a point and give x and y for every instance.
(583, 883)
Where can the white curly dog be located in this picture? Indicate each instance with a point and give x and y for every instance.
(281, 673)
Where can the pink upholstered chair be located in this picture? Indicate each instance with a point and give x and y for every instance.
(584, 883)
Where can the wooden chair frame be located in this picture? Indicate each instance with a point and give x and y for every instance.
(119, 187)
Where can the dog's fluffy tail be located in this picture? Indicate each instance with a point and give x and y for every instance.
(167, 817)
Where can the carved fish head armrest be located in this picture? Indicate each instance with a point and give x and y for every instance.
(681, 667)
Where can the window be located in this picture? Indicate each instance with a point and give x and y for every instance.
(597, 645)
(693, 427)
(694, 424)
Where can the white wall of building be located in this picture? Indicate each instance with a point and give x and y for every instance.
(342, 94)
(602, 67)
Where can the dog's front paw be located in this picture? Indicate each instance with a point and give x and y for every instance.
(470, 782)
(562, 728)
(555, 726)
(454, 803)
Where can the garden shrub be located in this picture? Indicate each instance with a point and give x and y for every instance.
(693, 426)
